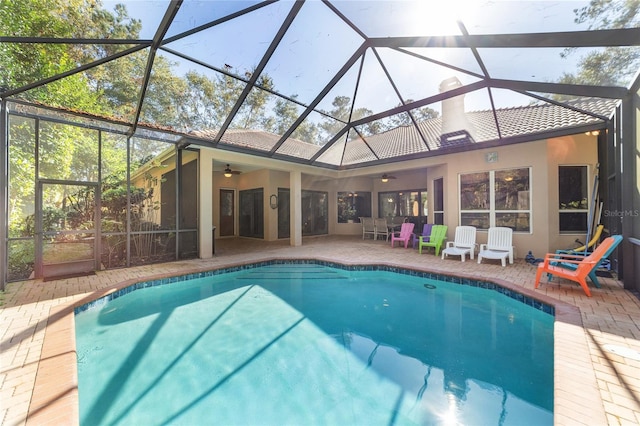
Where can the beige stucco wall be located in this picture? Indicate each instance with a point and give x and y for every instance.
(542, 156)
(277, 179)
(508, 157)
(149, 176)
(332, 187)
(573, 150)
(250, 180)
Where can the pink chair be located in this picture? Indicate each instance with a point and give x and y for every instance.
(405, 234)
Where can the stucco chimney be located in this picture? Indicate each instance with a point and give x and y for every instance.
(455, 125)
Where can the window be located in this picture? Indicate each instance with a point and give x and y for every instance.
(438, 201)
(513, 199)
(410, 204)
(573, 201)
(315, 213)
(353, 205)
(474, 200)
(496, 198)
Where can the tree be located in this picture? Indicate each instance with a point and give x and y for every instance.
(285, 113)
(424, 113)
(253, 111)
(419, 114)
(307, 131)
(613, 66)
(22, 171)
(341, 111)
(27, 63)
(201, 106)
(165, 97)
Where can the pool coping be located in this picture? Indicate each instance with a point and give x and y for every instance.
(55, 393)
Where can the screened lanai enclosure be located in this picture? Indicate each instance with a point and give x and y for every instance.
(116, 116)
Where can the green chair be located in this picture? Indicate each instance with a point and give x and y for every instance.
(435, 240)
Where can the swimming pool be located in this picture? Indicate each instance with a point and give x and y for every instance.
(303, 343)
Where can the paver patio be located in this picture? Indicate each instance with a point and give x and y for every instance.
(597, 339)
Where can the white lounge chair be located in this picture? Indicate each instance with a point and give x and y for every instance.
(499, 245)
(464, 243)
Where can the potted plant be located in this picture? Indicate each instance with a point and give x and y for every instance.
(348, 214)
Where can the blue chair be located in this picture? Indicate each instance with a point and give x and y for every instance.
(617, 239)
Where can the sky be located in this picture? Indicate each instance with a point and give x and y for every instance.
(318, 43)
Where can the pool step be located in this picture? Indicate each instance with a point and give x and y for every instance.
(289, 272)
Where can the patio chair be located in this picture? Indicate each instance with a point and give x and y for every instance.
(382, 228)
(435, 239)
(426, 232)
(592, 274)
(499, 245)
(404, 235)
(368, 227)
(397, 221)
(464, 243)
(583, 265)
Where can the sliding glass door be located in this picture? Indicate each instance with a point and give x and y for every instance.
(251, 217)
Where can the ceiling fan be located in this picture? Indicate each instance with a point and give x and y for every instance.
(228, 172)
(385, 177)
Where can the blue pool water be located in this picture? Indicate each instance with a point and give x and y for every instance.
(304, 344)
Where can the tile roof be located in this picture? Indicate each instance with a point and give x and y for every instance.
(532, 120)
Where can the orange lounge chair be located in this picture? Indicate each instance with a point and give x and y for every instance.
(584, 265)
(592, 275)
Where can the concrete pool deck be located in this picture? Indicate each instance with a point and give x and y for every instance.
(597, 339)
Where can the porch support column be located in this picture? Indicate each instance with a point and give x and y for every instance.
(205, 204)
(4, 173)
(295, 213)
(630, 200)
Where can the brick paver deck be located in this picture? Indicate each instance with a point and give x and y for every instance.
(597, 339)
